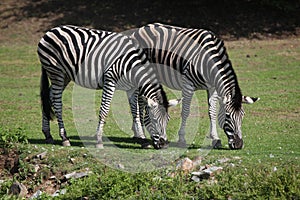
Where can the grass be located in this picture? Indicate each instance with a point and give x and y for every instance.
(267, 167)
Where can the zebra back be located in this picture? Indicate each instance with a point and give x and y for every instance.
(195, 53)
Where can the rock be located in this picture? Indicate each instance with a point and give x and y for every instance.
(72, 160)
(185, 164)
(59, 192)
(205, 173)
(76, 175)
(36, 195)
(36, 168)
(120, 166)
(41, 156)
(18, 189)
(196, 178)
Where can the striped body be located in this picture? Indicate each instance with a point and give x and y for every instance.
(195, 59)
(97, 60)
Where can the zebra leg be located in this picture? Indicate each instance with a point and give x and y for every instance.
(212, 112)
(136, 115)
(107, 94)
(46, 129)
(57, 90)
(187, 94)
(137, 108)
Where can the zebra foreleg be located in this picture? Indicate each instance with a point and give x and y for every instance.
(186, 104)
(107, 94)
(212, 112)
(137, 108)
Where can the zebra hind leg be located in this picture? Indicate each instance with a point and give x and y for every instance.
(57, 91)
(46, 130)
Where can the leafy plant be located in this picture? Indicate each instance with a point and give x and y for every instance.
(9, 137)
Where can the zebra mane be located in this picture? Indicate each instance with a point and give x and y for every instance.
(236, 100)
(164, 98)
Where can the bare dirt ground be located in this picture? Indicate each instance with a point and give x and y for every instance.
(25, 21)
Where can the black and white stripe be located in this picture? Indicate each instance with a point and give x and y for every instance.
(98, 60)
(192, 59)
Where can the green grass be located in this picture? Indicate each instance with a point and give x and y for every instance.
(267, 167)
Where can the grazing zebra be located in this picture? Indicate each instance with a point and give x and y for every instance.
(97, 60)
(201, 63)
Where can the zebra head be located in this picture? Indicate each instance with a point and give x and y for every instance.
(230, 119)
(159, 117)
(156, 121)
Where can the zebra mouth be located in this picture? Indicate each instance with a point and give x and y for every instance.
(236, 143)
(161, 143)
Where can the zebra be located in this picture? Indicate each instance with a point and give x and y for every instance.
(97, 59)
(202, 63)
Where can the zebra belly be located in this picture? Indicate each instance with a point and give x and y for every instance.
(86, 77)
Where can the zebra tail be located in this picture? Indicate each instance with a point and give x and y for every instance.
(45, 96)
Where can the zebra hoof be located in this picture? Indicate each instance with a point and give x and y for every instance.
(49, 140)
(66, 143)
(99, 146)
(217, 144)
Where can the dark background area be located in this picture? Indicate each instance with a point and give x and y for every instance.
(230, 19)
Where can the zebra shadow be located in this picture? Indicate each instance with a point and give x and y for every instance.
(56, 142)
(109, 141)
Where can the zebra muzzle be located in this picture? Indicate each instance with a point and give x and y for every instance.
(236, 143)
(160, 143)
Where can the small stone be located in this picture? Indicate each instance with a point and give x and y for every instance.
(41, 156)
(76, 175)
(205, 173)
(196, 179)
(36, 168)
(72, 160)
(36, 195)
(120, 166)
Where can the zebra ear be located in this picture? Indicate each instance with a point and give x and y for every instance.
(151, 103)
(249, 100)
(174, 102)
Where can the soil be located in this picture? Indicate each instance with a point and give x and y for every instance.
(9, 162)
(26, 21)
